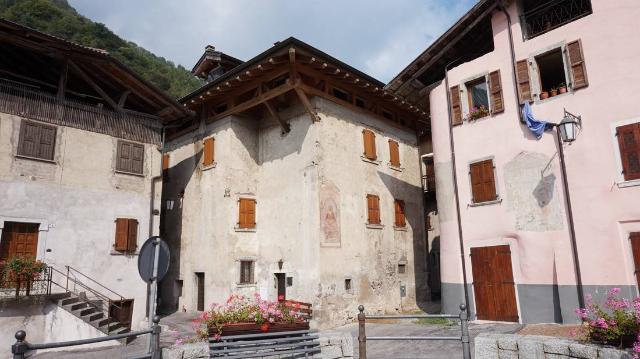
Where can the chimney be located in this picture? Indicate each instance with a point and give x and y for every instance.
(213, 64)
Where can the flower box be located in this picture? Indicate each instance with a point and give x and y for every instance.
(254, 328)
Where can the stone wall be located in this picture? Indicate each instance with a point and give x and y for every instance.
(332, 347)
(495, 346)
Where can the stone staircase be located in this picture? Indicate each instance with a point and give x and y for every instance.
(90, 311)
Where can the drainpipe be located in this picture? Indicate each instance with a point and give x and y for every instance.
(455, 181)
(513, 59)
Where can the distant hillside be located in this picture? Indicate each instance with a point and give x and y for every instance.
(57, 17)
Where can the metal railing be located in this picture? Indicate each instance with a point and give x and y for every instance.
(38, 285)
(463, 338)
(22, 347)
(553, 14)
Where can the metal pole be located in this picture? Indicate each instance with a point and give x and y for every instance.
(464, 327)
(154, 288)
(572, 232)
(66, 287)
(362, 337)
(155, 338)
(20, 347)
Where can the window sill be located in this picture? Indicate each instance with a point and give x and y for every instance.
(246, 285)
(365, 159)
(246, 230)
(487, 203)
(119, 253)
(399, 169)
(402, 229)
(374, 226)
(37, 159)
(539, 101)
(630, 183)
(129, 173)
(204, 168)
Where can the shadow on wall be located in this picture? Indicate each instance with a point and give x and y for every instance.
(415, 219)
(175, 181)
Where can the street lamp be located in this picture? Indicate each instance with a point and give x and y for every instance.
(566, 131)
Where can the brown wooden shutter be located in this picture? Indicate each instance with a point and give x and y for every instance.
(576, 63)
(483, 187)
(137, 158)
(209, 151)
(373, 209)
(400, 215)
(247, 213)
(394, 153)
(37, 140)
(495, 92)
(132, 235)
(635, 249)
(456, 110)
(524, 82)
(629, 144)
(122, 232)
(165, 162)
(369, 144)
(124, 156)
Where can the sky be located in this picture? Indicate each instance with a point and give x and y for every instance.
(378, 37)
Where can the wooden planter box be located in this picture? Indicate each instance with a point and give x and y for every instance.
(253, 328)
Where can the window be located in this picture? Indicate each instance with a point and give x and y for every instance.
(347, 284)
(36, 140)
(387, 114)
(130, 157)
(373, 209)
(478, 96)
(629, 145)
(394, 153)
(246, 272)
(360, 102)
(400, 219)
(289, 281)
(551, 71)
(247, 213)
(369, 145)
(126, 235)
(402, 268)
(208, 153)
(483, 186)
(539, 17)
(341, 94)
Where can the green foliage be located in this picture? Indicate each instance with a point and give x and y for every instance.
(23, 268)
(58, 18)
(434, 321)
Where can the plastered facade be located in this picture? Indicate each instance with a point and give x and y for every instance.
(310, 186)
(531, 216)
(75, 199)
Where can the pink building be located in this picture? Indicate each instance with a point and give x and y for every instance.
(513, 226)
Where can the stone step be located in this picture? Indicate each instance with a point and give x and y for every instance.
(87, 310)
(68, 300)
(111, 327)
(92, 316)
(76, 306)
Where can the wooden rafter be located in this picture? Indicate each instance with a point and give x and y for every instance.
(93, 85)
(123, 99)
(62, 82)
(286, 128)
(306, 103)
(265, 96)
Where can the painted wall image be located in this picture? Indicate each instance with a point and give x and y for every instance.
(330, 215)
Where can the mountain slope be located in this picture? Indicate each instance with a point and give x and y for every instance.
(57, 17)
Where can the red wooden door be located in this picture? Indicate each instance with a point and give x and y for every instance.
(493, 284)
(19, 239)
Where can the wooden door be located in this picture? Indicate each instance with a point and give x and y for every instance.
(19, 239)
(200, 286)
(635, 249)
(282, 285)
(493, 284)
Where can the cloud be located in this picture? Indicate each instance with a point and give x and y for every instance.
(377, 37)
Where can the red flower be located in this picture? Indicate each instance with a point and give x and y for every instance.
(280, 298)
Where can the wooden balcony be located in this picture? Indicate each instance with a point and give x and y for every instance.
(552, 14)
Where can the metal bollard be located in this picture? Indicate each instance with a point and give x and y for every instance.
(464, 327)
(362, 337)
(20, 348)
(156, 353)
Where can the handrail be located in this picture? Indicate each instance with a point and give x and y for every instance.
(21, 347)
(94, 281)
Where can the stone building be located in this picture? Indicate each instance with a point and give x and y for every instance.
(509, 248)
(300, 178)
(80, 175)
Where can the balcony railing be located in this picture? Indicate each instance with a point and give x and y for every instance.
(22, 100)
(553, 14)
(429, 183)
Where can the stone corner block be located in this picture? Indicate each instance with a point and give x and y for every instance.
(195, 350)
(583, 351)
(486, 347)
(557, 346)
(612, 353)
(508, 342)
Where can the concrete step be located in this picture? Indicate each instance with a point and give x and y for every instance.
(111, 327)
(87, 310)
(92, 316)
(68, 300)
(76, 306)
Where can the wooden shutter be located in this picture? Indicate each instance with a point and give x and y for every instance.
(247, 213)
(137, 158)
(576, 63)
(130, 157)
(165, 162)
(629, 144)
(400, 215)
(394, 153)
(373, 209)
(369, 144)
(495, 92)
(524, 82)
(122, 232)
(635, 249)
(483, 185)
(456, 110)
(132, 235)
(36, 140)
(209, 151)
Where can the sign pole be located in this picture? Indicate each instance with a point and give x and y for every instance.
(154, 286)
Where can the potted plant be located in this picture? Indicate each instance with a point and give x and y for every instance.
(554, 91)
(562, 87)
(544, 95)
(477, 112)
(21, 270)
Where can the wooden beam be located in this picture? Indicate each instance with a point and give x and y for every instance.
(256, 100)
(123, 99)
(286, 128)
(93, 85)
(292, 64)
(306, 103)
(62, 82)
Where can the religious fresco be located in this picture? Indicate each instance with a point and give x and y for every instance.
(329, 215)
